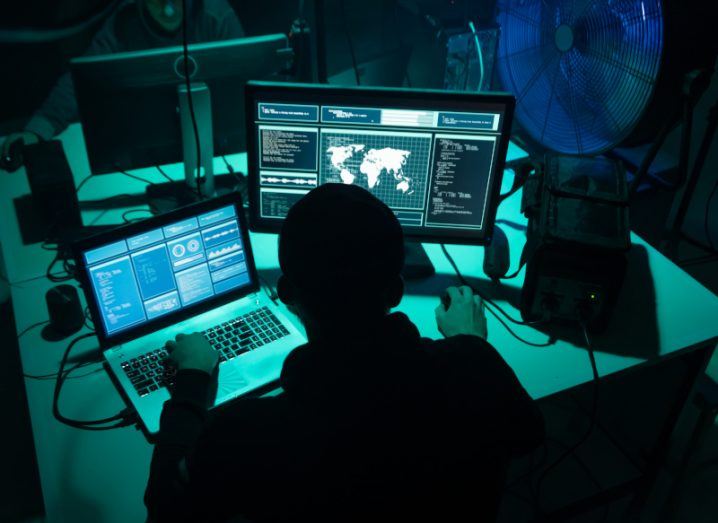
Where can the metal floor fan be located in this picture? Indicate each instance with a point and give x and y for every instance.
(583, 71)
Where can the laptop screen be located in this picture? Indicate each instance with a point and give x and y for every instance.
(160, 270)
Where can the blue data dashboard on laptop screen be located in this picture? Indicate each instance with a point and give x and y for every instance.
(144, 277)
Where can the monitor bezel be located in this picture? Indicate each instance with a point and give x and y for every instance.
(384, 95)
(124, 231)
(222, 59)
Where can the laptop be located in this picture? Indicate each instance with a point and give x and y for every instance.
(189, 270)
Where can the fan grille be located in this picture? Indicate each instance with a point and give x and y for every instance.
(582, 71)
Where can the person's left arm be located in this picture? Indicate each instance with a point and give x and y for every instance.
(167, 496)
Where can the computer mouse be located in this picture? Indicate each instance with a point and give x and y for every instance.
(12, 161)
(496, 255)
(64, 309)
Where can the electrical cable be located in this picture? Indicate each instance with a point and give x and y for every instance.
(118, 420)
(513, 274)
(53, 375)
(59, 277)
(164, 174)
(30, 327)
(184, 186)
(350, 41)
(513, 334)
(83, 182)
(490, 303)
(134, 176)
(594, 413)
(232, 171)
(190, 102)
(479, 52)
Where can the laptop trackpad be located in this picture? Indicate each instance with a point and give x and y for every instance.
(231, 380)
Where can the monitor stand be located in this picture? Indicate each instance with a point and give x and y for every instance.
(201, 106)
(167, 196)
(417, 264)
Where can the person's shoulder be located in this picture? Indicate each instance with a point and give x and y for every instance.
(218, 8)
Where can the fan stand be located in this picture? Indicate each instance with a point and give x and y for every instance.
(673, 231)
(695, 85)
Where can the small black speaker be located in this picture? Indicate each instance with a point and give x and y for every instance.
(64, 309)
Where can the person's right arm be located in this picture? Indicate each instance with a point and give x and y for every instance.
(483, 381)
(465, 314)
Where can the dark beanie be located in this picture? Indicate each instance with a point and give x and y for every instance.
(341, 238)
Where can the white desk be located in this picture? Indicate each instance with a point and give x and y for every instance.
(101, 476)
(25, 262)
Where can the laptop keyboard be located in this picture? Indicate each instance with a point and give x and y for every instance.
(153, 370)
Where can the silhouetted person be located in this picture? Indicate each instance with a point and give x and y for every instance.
(374, 423)
(134, 25)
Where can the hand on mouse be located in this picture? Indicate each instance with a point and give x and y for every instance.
(192, 351)
(465, 314)
(27, 137)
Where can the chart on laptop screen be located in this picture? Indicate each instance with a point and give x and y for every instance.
(144, 277)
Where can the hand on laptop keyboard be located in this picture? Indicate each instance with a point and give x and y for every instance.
(192, 351)
(156, 370)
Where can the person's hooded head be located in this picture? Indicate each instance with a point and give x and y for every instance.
(341, 252)
(166, 15)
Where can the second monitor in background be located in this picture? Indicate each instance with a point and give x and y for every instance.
(133, 105)
(435, 158)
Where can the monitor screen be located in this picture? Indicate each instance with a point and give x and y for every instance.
(435, 158)
(162, 269)
(142, 126)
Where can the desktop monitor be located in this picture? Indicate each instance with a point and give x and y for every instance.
(130, 108)
(436, 158)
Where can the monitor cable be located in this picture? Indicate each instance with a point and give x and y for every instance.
(480, 54)
(135, 177)
(190, 102)
(493, 308)
(350, 41)
(570, 451)
(238, 176)
(30, 327)
(184, 187)
(68, 269)
(122, 419)
(82, 182)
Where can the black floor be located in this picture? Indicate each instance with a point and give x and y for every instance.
(20, 495)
